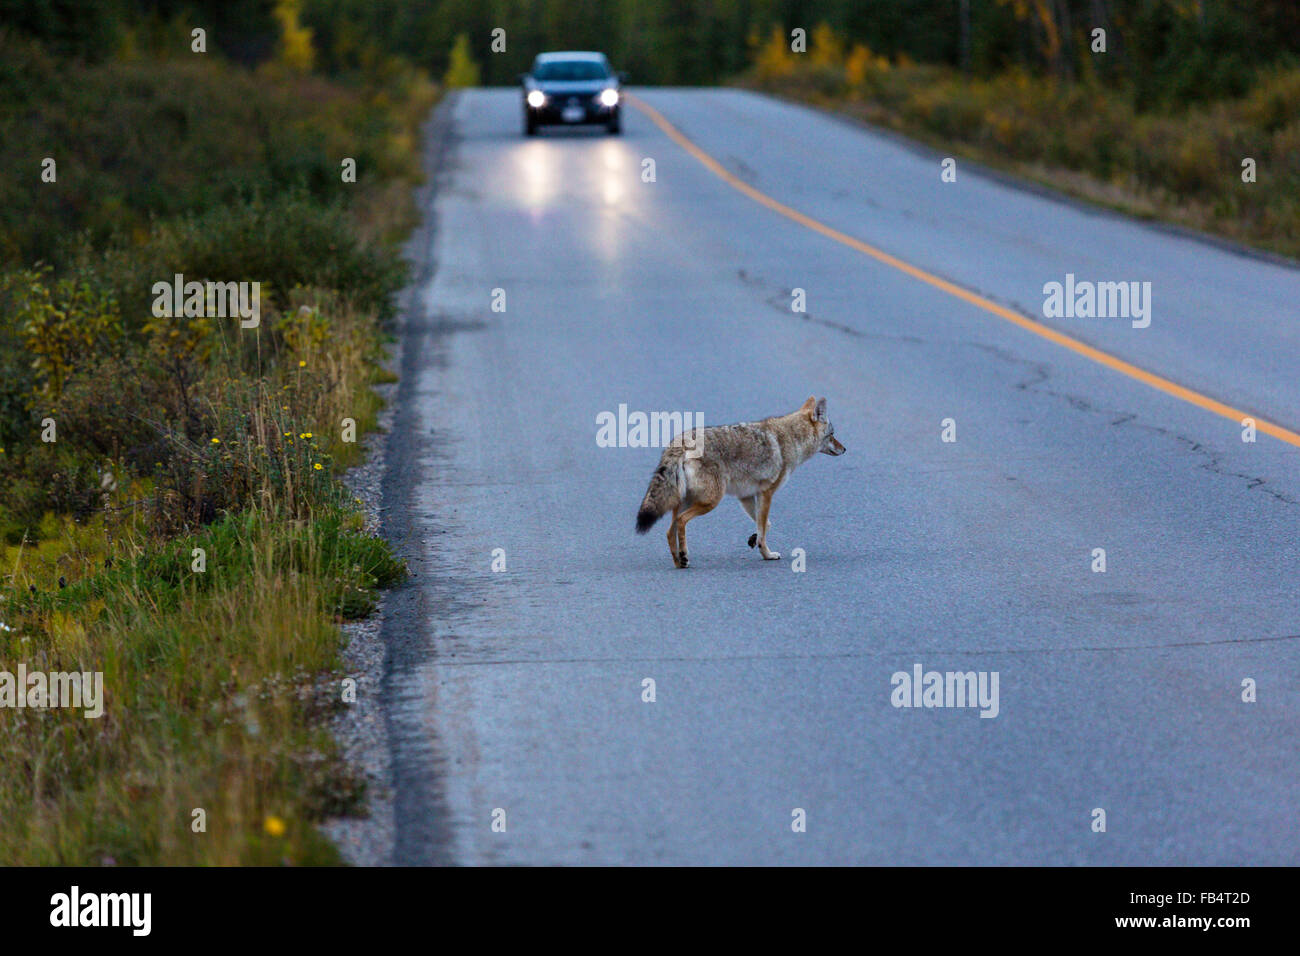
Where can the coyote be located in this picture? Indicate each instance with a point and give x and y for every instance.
(750, 460)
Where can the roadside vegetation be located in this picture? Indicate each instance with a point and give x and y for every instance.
(1166, 147)
(171, 510)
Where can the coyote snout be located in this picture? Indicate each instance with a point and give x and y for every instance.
(750, 460)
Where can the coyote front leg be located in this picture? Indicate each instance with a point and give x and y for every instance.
(764, 504)
(749, 505)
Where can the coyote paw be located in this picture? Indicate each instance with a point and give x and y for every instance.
(682, 560)
(772, 556)
(753, 539)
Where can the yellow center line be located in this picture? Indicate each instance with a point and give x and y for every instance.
(1015, 318)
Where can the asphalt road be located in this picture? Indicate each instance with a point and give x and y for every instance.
(521, 690)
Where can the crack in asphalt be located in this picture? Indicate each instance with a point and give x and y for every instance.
(1042, 373)
(779, 301)
(743, 170)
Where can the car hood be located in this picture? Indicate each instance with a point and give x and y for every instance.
(570, 87)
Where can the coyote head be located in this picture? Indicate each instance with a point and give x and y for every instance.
(822, 427)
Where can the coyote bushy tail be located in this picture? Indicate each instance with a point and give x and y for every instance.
(661, 497)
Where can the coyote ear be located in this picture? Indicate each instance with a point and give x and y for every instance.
(809, 405)
(819, 413)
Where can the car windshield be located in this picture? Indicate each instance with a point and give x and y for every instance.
(570, 70)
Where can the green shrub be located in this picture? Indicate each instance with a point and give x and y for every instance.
(61, 322)
(139, 141)
(281, 242)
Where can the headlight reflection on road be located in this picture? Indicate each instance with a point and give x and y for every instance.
(612, 156)
(612, 170)
(540, 174)
(613, 184)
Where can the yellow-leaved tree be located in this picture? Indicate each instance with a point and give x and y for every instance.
(295, 39)
(461, 70)
(827, 48)
(774, 58)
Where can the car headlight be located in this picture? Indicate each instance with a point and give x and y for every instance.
(536, 98)
(609, 97)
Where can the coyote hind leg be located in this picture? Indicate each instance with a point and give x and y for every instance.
(673, 548)
(694, 511)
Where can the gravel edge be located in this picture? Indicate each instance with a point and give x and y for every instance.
(369, 838)
(360, 727)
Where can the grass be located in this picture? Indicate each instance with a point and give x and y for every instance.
(219, 682)
(219, 686)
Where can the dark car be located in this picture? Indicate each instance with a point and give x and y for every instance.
(572, 88)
